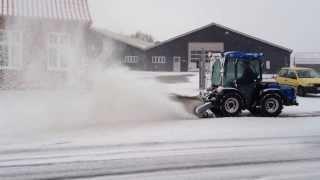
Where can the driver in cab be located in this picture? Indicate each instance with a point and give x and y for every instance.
(248, 75)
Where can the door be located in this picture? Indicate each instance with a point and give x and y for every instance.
(176, 64)
(195, 50)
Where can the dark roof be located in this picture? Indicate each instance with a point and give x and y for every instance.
(228, 29)
(137, 43)
(73, 10)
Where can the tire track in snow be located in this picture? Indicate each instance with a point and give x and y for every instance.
(102, 171)
(304, 150)
(103, 154)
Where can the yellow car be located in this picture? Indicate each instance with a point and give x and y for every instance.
(305, 80)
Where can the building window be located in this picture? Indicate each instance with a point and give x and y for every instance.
(268, 65)
(59, 49)
(159, 60)
(10, 49)
(131, 60)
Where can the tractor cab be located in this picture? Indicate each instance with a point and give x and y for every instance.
(232, 69)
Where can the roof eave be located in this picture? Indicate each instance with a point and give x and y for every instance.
(223, 27)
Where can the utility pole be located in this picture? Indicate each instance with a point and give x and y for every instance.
(202, 71)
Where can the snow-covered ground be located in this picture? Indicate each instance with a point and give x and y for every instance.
(132, 126)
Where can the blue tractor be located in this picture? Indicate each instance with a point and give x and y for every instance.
(237, 85)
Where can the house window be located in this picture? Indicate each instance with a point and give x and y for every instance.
(131, 60)
(58, 52)
(268, 65)
(10, 49)
(159, 60)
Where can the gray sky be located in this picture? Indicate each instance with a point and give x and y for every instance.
(291, 23)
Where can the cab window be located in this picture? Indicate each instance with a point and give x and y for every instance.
(216, 73)
(229, 73)
(292, 74)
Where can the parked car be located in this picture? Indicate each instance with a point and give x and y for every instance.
(305, 80)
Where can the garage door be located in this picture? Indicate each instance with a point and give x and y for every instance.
(195, 50)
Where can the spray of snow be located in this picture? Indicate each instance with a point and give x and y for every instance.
(120, 95)
(117, 98)
(90, 96)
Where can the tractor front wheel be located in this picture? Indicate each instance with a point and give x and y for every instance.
(231, 105)
(271, 105)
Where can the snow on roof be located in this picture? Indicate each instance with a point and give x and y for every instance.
(76, 10)
(228, 29)
(137, 43)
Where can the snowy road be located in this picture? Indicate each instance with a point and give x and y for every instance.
(260, 158)
(68, 135)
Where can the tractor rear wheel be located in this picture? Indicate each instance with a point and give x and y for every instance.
(231, 105)
(271, 105)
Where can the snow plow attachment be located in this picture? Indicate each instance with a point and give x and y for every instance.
(189, 102)
(203, 110)
(195, 105)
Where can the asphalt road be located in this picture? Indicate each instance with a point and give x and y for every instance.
(258, 158)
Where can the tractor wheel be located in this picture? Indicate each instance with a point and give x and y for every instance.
(271, 105)
(231, 105)
(301, 91)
